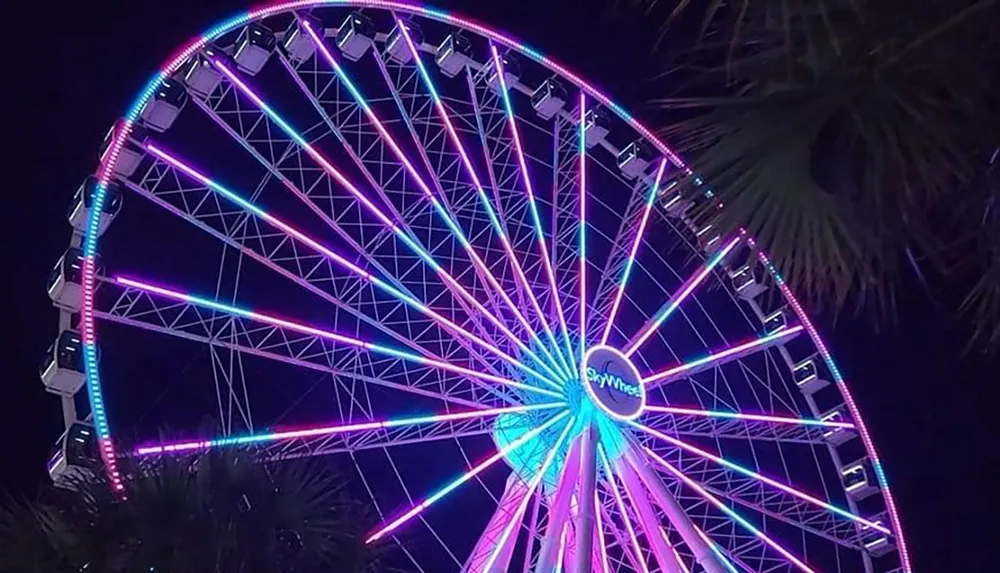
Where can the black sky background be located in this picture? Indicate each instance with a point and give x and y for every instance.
(74, 68)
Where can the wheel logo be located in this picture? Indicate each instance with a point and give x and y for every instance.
(613, 383)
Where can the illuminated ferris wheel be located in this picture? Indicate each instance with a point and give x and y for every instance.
(408, 240)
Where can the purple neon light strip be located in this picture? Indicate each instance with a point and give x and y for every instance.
(683, 293)
(769, 481)
(851, 405)
(515, 519)
(747, 417)
(172, 447)
(627, 271)
(412, 512)
(722, 355)
(729, 512)
(532, 203)
(621, 508)
(583, 225)
(408, 165)
(385, 219)
(340, 260)
(605, 566)
(484, 199)
(313, 331)
(181, 56)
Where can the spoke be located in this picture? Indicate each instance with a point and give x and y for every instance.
(675, 301)
(172, 447)
(602, 544)
(523, 506)
(583, 227)
(395, 227)
(650, 201)
(383, 285)
(720, 358)
(658, 543)
(731, 513)
(393, 525)
(748, 417)
(329, 335)
(536, 218)
(769, 481)
(440, 209)
(624, 513)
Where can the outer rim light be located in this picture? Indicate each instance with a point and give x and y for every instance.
(198, 42)
(593, 395)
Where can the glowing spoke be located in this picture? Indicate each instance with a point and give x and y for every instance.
(747, 417)
(731, 513)
(605, 566)
(464, 478)
(650, 200)
(340, 338)
(532, 206)
(399, 231)
(382, 284)
(678, 297)
(719, 358)
(174, 447)
(408, 165)
(750, 473)
(583, 225)
(621, 508)
(523, 506)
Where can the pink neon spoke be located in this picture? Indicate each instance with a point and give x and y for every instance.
(408, 165)
(769, 481)
(313, 331)
(749, 417)
(680, 295)
(333, 256)
(532, 203)
(523, 505)
(477, 183)
(650, 201)
(464, 478)
(621, 507)
(419, 250)
(170, 447)
(732, 514)
(733, 352)
(583, 225)
(605, 566)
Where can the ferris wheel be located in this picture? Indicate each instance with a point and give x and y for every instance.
(403, 238)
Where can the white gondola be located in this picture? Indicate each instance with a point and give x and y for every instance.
(807, 376)
(129, 156)
(162, 109)
(253, 48)
(62, 370)
(596, 126)
(635, 159)
(79, 208)
(65, 284)
(454, 53)
(298, 45)
(875, 542)
(839, 435)
(747, 281)
(395, 45)
(355, 36)
(859, 479)
(549, 98)
(200, 75)
(775, 321)
(511, 71)
(75, 456)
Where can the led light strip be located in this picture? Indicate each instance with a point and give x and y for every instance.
(173, 447)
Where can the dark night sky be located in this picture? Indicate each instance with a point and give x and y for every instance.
(76, 67)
